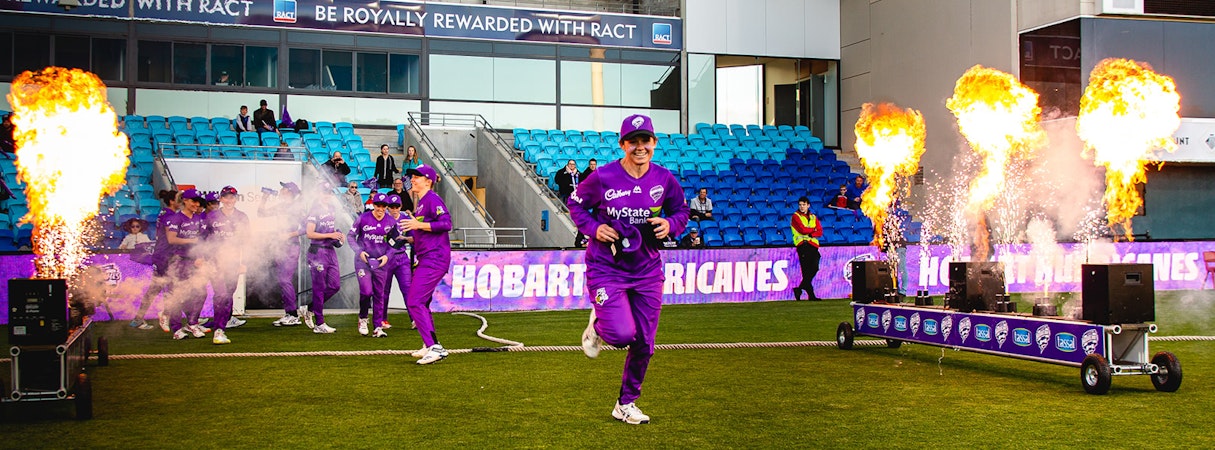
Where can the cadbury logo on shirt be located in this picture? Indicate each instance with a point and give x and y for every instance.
(613, 194)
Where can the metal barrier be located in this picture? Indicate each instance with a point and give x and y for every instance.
(247, 152)
(489, 237)
(417, 119)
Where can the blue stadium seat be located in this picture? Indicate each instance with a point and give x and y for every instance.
(250, 138)
(221, 124)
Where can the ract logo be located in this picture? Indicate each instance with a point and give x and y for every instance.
(662, 34)
(946, 327)
(860, 317)
(930, 327)
(1065, 342)
(885, 321)
(1021, 337)
(1089, 341)
(873, 320)
(1001, 333)
(964, 328)
(284, 11)
(1042, 336)
(900, 323)
(915, 323)
(983, 332)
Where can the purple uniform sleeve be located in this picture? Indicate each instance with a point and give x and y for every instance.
(355, 235)
(586, 198)
(436, 214)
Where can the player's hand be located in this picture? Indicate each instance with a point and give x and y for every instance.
(339, 236)
(662, 227)
(383, 261)
(606, 234)
(363, 256)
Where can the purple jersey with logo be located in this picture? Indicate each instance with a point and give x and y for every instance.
(397, 246)
(610, 193)
(322, 217)
(186, 228)
(371, 235)
(433, 245)
(222, 226)
(161, 252)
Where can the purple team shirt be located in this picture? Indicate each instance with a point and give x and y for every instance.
(610, 193)
(322, 217)
(161, 251)
(371, 235)
(186, 228)
(222, 226)
(433, 245)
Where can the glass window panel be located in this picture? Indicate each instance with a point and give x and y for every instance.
(590, 83)
(642, 55)
(337, 70)
(520, 80)
(6, 54)
(189, 63)
(228, 65)
(702, 90)
(646, 85)
(31, 52)
(155, 61)
(305, 68)
(460, 77)
(72, 52)
(403, 74)
(440, 45)
(525, 80)
(524, 49)
(109, 58)
(373, 72)
(261, 66)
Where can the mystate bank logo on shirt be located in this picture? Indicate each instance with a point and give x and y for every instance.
(634, 215)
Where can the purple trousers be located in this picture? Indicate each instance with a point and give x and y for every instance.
(628, 316)
(326, 279)
(187, 295)
(287, 263)
(373, 281)
(426, 277)
(223, 284)
(398, 267)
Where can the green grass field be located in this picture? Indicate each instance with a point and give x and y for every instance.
(817, 397)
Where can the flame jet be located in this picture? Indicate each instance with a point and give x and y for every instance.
(889, 141)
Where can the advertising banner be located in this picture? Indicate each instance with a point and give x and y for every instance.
(395, 17)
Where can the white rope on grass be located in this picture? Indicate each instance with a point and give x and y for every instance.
(481, 332)
(1182, 338)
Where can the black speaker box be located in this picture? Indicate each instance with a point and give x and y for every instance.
(975, 286)
(871, 280)
(1118, 293)
(38, 311)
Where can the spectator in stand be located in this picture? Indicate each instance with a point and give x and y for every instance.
(702, 206)
(590, 167)
(412, 161)
(353, 199)
(855, 190)
(243, 122)
(385, 168)
(692, 240)
(567, 180)
(223, 79)
(841, 200)
(263, 119)
(398, 188)
(135, 233)
(806, 231)
(337, 167)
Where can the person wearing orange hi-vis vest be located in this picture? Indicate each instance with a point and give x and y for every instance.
(806, 231)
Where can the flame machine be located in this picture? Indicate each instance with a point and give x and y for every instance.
(1110, 339)
(49, 342)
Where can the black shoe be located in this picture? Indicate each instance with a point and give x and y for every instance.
(797, 294)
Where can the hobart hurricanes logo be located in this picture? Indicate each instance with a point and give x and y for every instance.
(885, 321)
(1065, 342)
(1089, 341)
(915, 324)
(1021, 337)
(964, 328)
(1001, 333)
(656, 192)
(930, 327)
(946, 327)
(900, 323)
(983, 332)
(860, 318)
(1042, 337)
(873, 320)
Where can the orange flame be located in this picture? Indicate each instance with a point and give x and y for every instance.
(889, 141)
(69, 153)
(1126, 112)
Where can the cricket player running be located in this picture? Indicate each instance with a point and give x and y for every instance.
(429, 225)
(369, 239)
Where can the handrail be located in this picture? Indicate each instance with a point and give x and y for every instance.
(447, 167)
(474, 237)
(214, 151)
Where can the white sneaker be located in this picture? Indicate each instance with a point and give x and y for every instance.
(436, 354)
(363, 327)
(420, 352)
(590, 339)
(164, 321)
(385, 325)
(323, 328)
(180, 334)
(220, 338)
(630, 414)
(198, 331)
(140, 324)
(287, 321)
(233, 322)
(309, 319)
(413, 325)
(379, 332)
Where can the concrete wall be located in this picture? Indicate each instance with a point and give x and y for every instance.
(780, 28)
(515, 201)
(463, 214)
(1033, 14)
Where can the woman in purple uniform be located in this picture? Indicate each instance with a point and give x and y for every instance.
(287, 249)
(183, 232)
(619, 205)
(224, 227)
(322, 261)
(369, 239)
(429, 223)
(400, 263)
(160, 265)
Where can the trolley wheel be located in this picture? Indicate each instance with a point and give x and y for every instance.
(893, 343)
(1168, 379)
(843, 336)
(1095, 374)
(84, 397)
(103, 351)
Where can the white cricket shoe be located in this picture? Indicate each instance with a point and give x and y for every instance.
(630, 414)
(164, 321)
(323, 328)
(198, 331)
(220, 338)
(435, 354)
(180, 334)
(420, 352)
(379, 332)
(287, 321)
(309, 319)
(363, 326)
(233, 322)
(590, 339)
(385, 325)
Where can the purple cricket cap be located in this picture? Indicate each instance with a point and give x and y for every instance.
(227, 190)
(291, 186)
(379, 199)
(191, 194)
(424, 171)
(636, 125)
(393, 199)
(211, 197)
(630, 237)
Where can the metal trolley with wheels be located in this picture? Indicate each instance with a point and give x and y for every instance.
(1100, 351)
